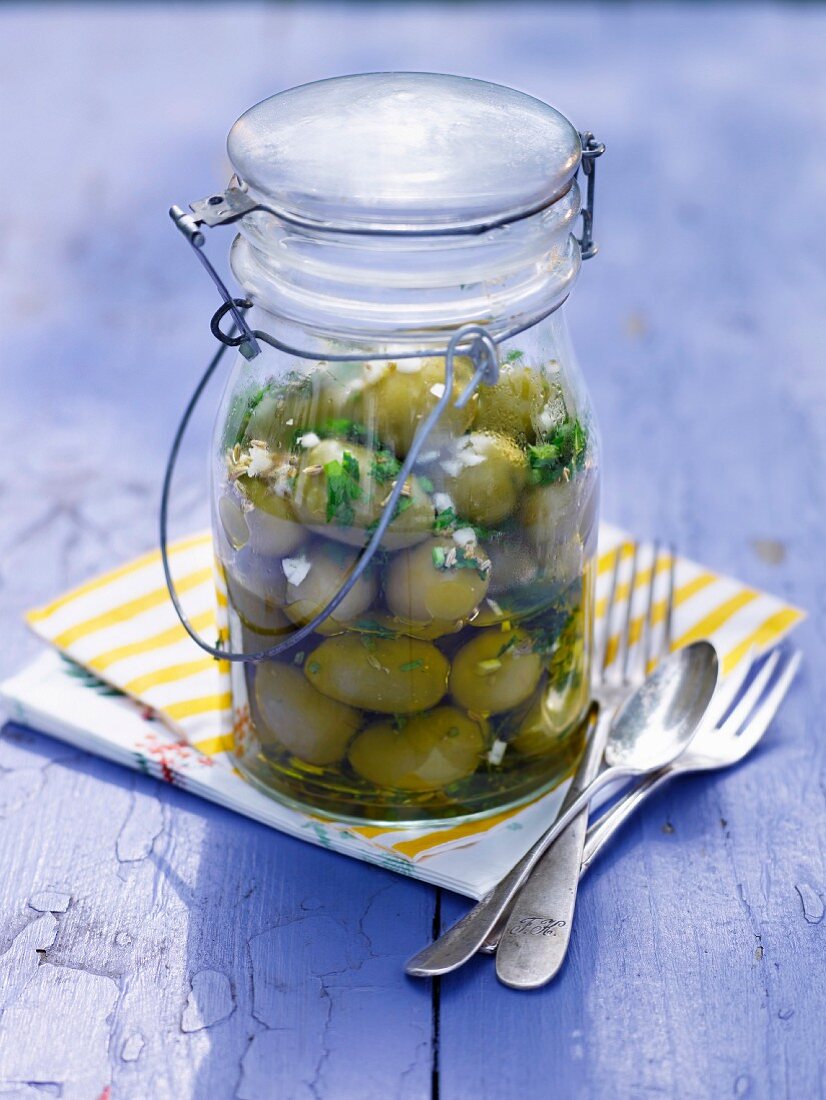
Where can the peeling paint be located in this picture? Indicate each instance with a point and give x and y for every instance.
(50, 901)
(210, 1000)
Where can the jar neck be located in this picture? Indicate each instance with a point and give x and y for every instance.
(314, 287)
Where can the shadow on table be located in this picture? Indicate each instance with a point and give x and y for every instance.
(261, 966)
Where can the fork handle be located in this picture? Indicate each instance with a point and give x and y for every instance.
(601, 831)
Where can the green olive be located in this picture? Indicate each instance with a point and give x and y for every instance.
(233, 520)
(513, 573)
(389, 675)
(547, 724)
(309, 402)
(563, 562)
(247, 640)
(317, 575)
(431, 751)
(523, 404)
(550, 513)
(495, 671)
(403, 393)
(512, 565)
(274, 529)
(292, 714)
(436, 580)
(485, 476)
(256, 591)
(337, 494)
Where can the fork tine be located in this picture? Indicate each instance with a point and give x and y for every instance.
(624, 643)
(751, 695)
(646, 641)
(667, 640)
(767, 707)
(609, 609)
(668, 627)
(727, 693)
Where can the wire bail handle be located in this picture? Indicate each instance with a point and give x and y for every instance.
(471, 340)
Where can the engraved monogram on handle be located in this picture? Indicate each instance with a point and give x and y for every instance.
(537, 926)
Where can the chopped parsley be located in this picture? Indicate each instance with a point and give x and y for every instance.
(373, 626)
(426, 483)
(457, 557)
(385, 467)
(342, 488)
(512, 356)
(445, 520)
(563, 450)
(411, 666)
(337, 428)
(402, 504)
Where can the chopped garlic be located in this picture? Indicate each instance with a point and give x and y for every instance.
(494, 606)
(486, 668)
(261, 461)
(465, 537)
(438, 389)
(442, 502)
(375, 371)
(452, 467)
(497, 751)
(309, 439)
(296, 569)
(546, 420)
(428, 456)
(409, 366)
(471, 458)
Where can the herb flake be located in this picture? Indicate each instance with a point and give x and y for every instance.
(342, 488)
(411, 666)
(385, 467)
(563, 450)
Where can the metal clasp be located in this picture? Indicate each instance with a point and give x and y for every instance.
(189, 226)
(591, 149)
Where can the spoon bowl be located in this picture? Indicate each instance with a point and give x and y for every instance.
(657, 722)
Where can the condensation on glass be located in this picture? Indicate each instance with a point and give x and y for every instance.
(453, 678)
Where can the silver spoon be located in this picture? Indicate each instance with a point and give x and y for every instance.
(651, 729)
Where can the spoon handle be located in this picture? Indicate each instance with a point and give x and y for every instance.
(538, 926)
(462, 940)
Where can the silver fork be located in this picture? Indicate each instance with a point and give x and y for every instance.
(719, 744)
(551, 889)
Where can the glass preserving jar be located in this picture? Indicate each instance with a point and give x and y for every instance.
(405, 460)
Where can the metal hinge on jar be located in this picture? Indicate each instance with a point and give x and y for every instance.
(591, 149)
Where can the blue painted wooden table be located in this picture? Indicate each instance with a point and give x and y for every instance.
(156, 946)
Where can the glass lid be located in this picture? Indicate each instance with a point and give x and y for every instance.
(404, 152)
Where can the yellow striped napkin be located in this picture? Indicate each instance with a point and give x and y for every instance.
(123, 628)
